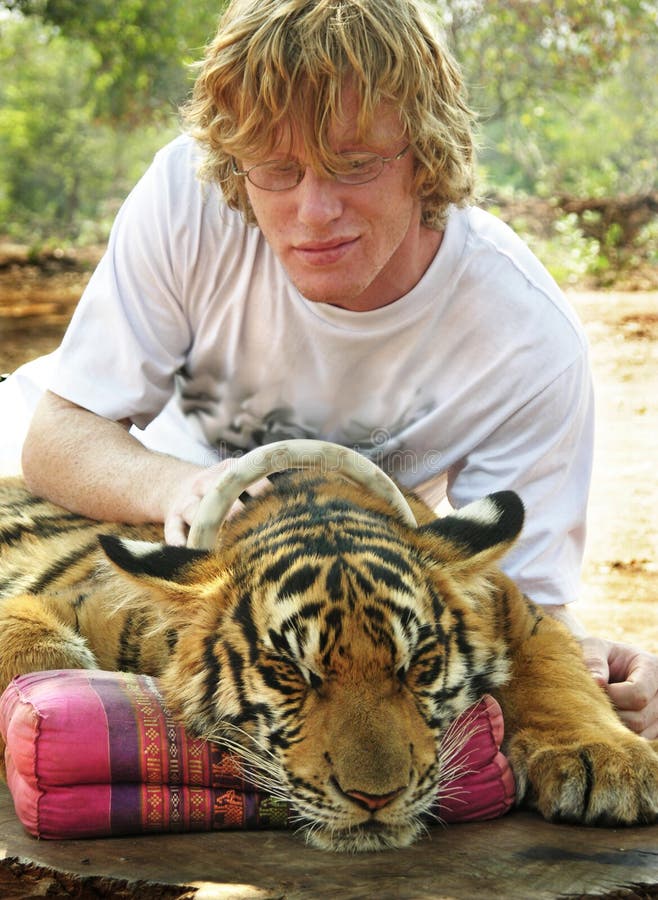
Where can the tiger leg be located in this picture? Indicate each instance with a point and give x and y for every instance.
(33, 638)
(573, 758)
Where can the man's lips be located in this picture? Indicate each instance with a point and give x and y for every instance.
(323, 253)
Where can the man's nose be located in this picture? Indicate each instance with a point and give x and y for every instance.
(319, 198)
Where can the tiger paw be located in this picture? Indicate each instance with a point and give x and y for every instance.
(593, 783)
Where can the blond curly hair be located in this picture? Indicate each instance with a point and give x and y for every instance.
(274, 65)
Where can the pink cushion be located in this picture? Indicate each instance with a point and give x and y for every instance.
(92, 753)
(486, 787)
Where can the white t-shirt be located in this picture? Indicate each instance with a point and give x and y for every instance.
(477, 379)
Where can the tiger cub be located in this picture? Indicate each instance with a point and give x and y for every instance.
(330, 643)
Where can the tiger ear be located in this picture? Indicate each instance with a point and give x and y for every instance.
(153, 562)
(482, 532)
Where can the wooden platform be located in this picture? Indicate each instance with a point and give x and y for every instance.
(519, 857)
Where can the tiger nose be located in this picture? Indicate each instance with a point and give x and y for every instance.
(373, 802)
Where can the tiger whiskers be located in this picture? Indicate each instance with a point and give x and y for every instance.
(452, 762)
(308, 828)
(263, 769)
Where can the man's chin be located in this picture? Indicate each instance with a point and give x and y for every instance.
(326, 297)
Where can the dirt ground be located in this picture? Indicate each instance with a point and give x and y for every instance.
(620, 580)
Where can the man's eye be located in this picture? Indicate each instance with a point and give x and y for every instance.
(360, 167)
(359, 162)
(281, 168)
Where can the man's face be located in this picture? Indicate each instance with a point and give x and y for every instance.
(355, 246)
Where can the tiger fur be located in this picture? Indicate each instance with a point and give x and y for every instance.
(331, 645)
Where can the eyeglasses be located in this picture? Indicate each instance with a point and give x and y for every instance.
(284, 174)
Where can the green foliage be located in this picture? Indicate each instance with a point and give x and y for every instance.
(567, 253)
(566, 95)
(139, 48)
(520, 50)
(61, 169)
(566, 91)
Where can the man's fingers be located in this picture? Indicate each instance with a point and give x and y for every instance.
(175, 531)
(636, 696)
(177, 523)
(631, 681)
(258, 487)
(185, 506)
(643, 722)
(595, 653)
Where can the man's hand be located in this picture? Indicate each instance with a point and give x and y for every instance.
(185, 504)
(630, 676)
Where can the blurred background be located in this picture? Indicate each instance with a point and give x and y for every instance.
(566, 93)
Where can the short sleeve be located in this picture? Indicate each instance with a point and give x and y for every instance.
(129, 334)
(544, 452)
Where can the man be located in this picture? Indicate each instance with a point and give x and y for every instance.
(305, 262)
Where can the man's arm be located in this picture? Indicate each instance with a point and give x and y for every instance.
(93, 466)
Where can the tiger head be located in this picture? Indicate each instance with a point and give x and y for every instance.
(331, 644)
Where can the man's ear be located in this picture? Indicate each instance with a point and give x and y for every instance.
(480, 533)
(154, 562)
